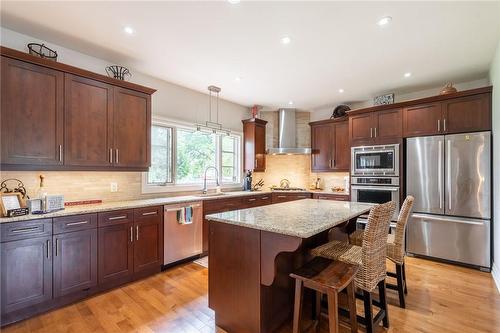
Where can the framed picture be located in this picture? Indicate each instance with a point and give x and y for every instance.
(11, 201)
(384, 99)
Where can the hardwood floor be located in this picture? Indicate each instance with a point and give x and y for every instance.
(441, 298)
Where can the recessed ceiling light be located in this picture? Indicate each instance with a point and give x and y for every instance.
(233, 2)
(129, 30)
(286, 40)
(408, 74)
(237, 79)
(341, 91)
(290, 103)
(384, 20)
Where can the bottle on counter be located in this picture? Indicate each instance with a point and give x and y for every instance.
(41, 192)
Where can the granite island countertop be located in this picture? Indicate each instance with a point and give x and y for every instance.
(301, 218)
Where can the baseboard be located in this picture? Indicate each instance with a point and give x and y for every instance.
(495, 272)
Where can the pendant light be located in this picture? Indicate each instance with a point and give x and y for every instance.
(213, 125)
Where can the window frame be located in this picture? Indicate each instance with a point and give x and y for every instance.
(211, 184)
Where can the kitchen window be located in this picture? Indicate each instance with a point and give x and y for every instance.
(181, 154)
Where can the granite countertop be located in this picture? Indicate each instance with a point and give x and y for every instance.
(301, 218)
(107, 206)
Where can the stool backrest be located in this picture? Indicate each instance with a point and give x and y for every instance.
(374, 245)
(399, 236)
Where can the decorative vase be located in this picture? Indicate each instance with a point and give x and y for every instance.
(448, 89)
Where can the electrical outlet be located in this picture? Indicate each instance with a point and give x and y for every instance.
(114, 187)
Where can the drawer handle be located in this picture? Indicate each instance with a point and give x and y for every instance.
(121, 217)
(22, 230)
(302, 196)
(253, 199)
(136, 232)
(76, 223)
(149, 213)
(281, 196)
(265, 198)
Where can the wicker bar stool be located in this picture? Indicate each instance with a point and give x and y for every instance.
(329, 277)
(395, 249)
(370, 257)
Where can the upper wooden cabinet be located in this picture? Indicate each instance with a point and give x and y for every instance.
(330, 146)
(32, 114)
(59, 117)
(88, 119)
(373, 128)
(457, 115)
(254, 144)
(131, 128)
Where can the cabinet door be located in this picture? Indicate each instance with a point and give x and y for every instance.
(388, 126)
(88, 108)
(342, 152)
(422, 120)
(321, 143)
(467, 114)
(31, 114)
(75, 261)
(131, 128)
(26, 273)
(361, 129)
(115, 253)
(148, 242)
(260, 148)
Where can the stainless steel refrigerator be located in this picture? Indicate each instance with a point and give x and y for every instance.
(450, 178)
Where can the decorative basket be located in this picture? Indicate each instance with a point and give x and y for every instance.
(42, 51)
(117, 72)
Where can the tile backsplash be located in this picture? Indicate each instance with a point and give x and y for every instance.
(297, 169)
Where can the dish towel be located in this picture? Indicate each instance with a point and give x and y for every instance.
(188, 216)
(181, 216)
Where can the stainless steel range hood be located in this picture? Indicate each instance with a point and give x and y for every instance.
(287, 140)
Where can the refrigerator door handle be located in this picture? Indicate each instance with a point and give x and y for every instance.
(448, 171)
(450, 219)
(440, 174)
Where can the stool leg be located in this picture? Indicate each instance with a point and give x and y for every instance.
(367, 300)
(317, 307)
(351, 299)
(333, 311)
(383, 303)
(297, 309)
(400, 279)
(404, 277)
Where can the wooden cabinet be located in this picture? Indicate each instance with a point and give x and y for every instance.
(131, 128)
(457, 115)
(254, 144)
(422, 120)
(467, 114)
(372, 128)
(285, 197)
(330, 146)
(88, 119)
(26, 273)
(116, 257)
(256, 201)
(59, 117)
(148, 242)
(75, 261)
(31, 114)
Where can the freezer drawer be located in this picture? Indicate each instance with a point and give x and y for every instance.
(457, 239)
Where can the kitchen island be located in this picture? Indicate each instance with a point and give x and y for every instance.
(252, 252)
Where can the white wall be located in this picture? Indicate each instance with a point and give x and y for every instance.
(495, 81)
(326, 112)
(170, 100)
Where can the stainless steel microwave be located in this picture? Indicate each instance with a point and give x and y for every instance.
(375, 160)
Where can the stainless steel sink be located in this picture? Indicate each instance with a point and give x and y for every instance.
(210, 195)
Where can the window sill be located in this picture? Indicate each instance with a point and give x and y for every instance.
(169, 188)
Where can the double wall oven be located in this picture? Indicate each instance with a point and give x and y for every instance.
(375, 174)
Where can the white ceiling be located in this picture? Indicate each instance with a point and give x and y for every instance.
(333, 44)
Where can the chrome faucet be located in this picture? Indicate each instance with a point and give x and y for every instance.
(205, 189)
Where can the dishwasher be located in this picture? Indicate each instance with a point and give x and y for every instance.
(182, 239)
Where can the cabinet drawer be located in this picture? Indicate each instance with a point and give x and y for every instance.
(284, 197)
(115, 217)
(328, 196)
(74, 223)
(221, 205)
(148, 213)
(25, 229)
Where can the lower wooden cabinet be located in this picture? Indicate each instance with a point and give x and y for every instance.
(116, 259)
(148, 241)
(75, 261)
(26, 273)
